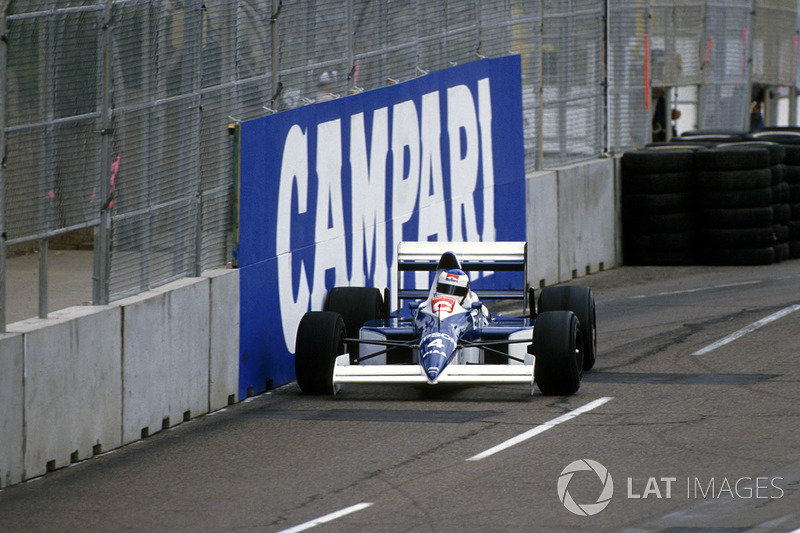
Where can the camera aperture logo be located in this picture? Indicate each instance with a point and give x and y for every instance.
(742, 487)
(585, 509)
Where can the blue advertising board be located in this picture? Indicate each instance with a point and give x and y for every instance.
(328, 190)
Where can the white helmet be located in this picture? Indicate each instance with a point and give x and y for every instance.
(453, 282)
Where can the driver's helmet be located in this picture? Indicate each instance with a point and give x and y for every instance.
(454, 282)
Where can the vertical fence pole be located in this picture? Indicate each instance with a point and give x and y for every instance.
(3, 98)
(235, 130)
(197, 83)
(102, 249)
(276, 61)
(43, 249)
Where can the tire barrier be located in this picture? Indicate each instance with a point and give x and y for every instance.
(788, 191)
(722, 198)
(737, 185)
(658, 219)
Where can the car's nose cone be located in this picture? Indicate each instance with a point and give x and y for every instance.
(434, 363)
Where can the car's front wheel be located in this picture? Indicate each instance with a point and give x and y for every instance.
(558, 350)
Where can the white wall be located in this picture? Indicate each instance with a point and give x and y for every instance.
(90, 378)
(572, 223)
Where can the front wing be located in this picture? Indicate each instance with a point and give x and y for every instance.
(344, 372)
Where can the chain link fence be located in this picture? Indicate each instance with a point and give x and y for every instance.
(115, 114)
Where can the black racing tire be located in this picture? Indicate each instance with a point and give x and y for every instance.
(736, 199)
(777, 152)
(660, 257)
(758, 217)
(792, 154)
(739, 237)
(738, 256)
(655, 161)
(794, 249)
(657, 204)
(781, 252)
(657, 183)
(557, 349)
(778, 173)
(659, 223)
(732, 158)
(781, 233)
(319, 341)
(782, 137)
(795, 211)
(794, 230)
(667, 242)
(792, 174)
(794, 193)
(781, 193)
(715, 136)
(755, 178)
(782, 213)
(580, 301)
(357, 305)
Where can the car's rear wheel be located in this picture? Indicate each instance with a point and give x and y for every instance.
(580, 301)
(558, 351)
(357, 305)
(319, 341)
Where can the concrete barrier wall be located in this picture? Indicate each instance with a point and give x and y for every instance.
(11, 413)
(572, 225)
(89, 379)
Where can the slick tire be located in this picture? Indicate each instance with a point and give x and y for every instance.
(658, 204)
(580, 301)
(740, 238)
(557, 348)
(759, 217)
(647, 224)
(657, 183)
(731, 158)
(656, 161)
(757, 178)
(357, 305)
(320, 339)
(745, 198)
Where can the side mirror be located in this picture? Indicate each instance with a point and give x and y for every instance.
(477, 305)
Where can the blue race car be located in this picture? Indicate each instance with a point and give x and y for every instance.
(449, 336)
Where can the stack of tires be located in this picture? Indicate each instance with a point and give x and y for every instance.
(793, 186)
(788, 207)
(735, 193)
(658, 214)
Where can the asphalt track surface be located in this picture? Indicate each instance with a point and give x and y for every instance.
(692, 411)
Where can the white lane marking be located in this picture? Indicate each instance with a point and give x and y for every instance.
(698, 289)
(327, 518)
(541, 428)
(748, 329)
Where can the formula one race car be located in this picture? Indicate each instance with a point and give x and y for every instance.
(450, 335)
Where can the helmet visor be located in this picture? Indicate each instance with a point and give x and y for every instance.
(455, 290)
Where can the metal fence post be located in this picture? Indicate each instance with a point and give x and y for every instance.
(102, 249)
(3, 99)
(43, 250)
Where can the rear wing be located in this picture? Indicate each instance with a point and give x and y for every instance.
(506, 256)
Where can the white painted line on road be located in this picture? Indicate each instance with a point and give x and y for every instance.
(698, 289)
(541, 428)
(748, 329)
(327, 518)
